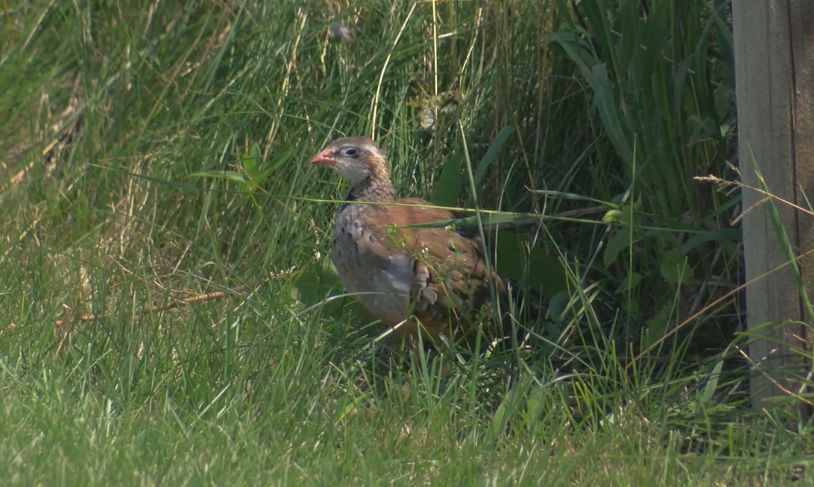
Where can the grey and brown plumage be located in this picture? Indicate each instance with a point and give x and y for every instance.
(412, 279)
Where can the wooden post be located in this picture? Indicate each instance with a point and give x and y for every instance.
(774, 72)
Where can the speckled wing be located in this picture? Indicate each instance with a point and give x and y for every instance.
(449, 275)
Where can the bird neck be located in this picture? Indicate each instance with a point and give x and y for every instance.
(372, 189)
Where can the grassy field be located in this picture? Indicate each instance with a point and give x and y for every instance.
(166, 300)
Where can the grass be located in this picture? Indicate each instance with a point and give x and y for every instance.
(167, 312)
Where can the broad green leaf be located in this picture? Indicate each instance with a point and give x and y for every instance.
(657, 325)
(616, 244)
(629, 283)
(447, 187)
(490, 155)
(533, 268)
(722, 235)
(250, 162)
(675, 269)
(614, 216)
(316, 284)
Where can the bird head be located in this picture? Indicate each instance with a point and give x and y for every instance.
(356, 158)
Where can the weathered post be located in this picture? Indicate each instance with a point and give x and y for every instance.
(774, 67)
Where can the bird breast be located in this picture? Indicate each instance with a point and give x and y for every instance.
(382, 277)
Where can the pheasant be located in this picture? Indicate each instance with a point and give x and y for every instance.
(414, 280)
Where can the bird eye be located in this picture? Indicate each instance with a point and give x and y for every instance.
(349, 151)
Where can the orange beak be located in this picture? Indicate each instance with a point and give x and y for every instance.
(324, 157)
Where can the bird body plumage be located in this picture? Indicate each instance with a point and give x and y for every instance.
(413, 279)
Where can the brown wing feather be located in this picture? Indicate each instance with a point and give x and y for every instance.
(450, 273)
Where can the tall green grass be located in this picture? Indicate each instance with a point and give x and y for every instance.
(660, 86)
(157, 155)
